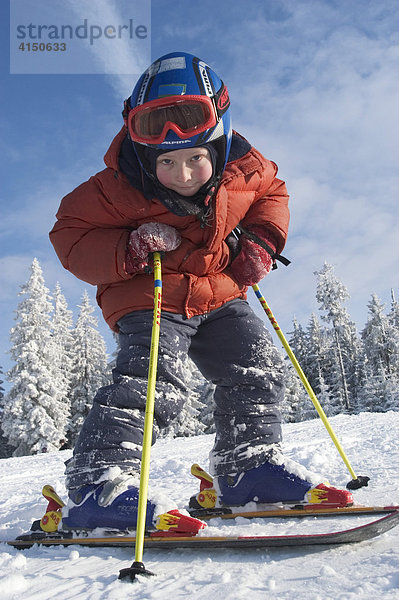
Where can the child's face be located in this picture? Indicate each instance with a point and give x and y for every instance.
(184, 171)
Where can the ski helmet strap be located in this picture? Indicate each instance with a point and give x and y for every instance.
(240, 230)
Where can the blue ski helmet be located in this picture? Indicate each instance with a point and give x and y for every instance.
(179, 102)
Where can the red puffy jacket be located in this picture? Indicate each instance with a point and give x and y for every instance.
(94, 222)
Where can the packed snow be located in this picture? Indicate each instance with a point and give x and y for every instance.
(359, 571)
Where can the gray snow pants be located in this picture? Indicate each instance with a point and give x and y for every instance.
(231, 347)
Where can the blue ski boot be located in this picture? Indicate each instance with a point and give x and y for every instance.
(114, 505)
(269, 483)
(110, 504)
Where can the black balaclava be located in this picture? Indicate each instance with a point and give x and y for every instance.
(138, 163)
(175, 202)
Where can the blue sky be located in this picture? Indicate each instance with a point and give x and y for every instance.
(314, 86)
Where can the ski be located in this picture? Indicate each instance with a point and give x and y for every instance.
(360, 533)
(297, 510)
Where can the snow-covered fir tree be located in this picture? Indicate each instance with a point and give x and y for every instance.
(296, 404)
(35, 413)
(5, 449)
(376, 338)
(206, 390)
(319, 363)
(62, 324)
(393, 317)
(90, 370)
(298, 344)
(394, 314)
(381, 343)
(346, 375)
(311, 349)
(1, 386)
(191, 420)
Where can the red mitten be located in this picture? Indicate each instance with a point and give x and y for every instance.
(149, 237)
(253, 262)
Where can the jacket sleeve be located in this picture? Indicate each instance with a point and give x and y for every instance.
(88, 237)
(270, 206)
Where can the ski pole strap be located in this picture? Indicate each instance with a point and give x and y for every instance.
(240, 230)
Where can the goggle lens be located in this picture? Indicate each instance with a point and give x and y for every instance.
(185, 117)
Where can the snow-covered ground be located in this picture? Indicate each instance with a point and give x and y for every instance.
(369, 570)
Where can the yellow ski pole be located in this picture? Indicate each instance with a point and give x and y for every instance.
(356, 482)
(138, 567)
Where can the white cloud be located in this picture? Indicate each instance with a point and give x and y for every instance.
(320, 98)
(128, 56)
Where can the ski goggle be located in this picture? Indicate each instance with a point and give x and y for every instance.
(185, 115)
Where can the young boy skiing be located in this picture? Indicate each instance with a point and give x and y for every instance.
(179, 181)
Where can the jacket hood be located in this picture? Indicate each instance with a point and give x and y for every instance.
(121, 156)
